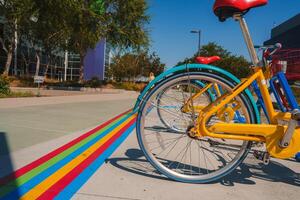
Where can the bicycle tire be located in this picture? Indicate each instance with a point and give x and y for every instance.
(197, 178)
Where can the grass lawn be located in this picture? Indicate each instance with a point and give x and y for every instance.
(17, 94)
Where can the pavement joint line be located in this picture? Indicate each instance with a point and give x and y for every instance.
(105, 196)
(39, 129)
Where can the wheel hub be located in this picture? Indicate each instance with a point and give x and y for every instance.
(192, 132)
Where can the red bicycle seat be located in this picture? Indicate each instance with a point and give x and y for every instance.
(226, 8)
(207, 60)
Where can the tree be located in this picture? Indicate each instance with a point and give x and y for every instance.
(16, 13)
(154, 65)
(131, 65)
(237, 65)
(121, 22)
(74, 25)
(48, 32)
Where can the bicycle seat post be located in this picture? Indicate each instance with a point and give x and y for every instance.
(239, 17)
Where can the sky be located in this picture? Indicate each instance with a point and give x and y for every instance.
(172, 21)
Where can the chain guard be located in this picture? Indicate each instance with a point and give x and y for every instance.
(276, 151)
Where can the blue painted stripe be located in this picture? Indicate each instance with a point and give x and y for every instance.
(23, 189)
(79, 181)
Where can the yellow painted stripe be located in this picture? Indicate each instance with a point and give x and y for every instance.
(51, 180)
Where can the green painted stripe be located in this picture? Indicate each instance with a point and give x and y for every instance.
(26, 177)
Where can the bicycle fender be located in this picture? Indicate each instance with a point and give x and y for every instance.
(193, 68)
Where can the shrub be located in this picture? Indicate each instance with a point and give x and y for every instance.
(17, 95)
(4, 86)
(22, 82)
(93, 83)
(65, 84)
(130, 86)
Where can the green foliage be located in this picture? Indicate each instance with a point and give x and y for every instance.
(127, 20)
(17, 95)
(16, 12)
(76, 25)
(237, 65)
(98, 7)
(93, 83)
(122, 24)
(5, 91)
(130, 86)
(131, 65)
(4, 86)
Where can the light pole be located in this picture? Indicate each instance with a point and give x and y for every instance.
(199, 40)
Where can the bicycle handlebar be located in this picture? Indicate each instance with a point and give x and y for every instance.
(265, 48)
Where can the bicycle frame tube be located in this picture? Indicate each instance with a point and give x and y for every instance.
(238, 131)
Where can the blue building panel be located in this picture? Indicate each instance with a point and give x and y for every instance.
(94, 62)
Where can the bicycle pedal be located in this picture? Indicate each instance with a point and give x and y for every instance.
(262, 156)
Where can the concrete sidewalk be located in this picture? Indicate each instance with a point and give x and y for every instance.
(62, 92)
(66, 99)
(127, 175)
(28, 121)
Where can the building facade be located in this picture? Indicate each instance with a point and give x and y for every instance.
(288, 34)
(60, 65)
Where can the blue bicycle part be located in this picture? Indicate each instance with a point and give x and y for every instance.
(297, 157)
(275, 92)
(280, 77)
(260, 102)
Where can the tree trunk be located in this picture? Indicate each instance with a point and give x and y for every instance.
(47, 66)
(38, 63)
(81, 72)
(26, 63)
(46, 70)
(8, 61)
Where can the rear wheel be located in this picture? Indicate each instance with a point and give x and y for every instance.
(172, 100)
(173, 151)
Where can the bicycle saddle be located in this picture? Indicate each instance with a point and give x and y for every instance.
(207, 60)
(227, 8)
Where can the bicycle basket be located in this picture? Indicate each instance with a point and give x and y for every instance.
(288, 61)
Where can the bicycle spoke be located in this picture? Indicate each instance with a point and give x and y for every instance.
(165, 138)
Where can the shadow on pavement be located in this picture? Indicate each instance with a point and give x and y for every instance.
(7, 178)
(136, 163)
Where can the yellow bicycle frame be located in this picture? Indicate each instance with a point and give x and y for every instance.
(271, 133)
(252, 132)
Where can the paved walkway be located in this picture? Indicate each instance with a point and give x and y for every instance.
(29, 121)
(60, 173)
(125, 174)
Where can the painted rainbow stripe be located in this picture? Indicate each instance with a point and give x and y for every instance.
(59, 174)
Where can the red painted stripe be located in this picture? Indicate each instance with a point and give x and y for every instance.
(36, 163)
(68, 178)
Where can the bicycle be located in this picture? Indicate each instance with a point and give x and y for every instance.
(217, 117)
